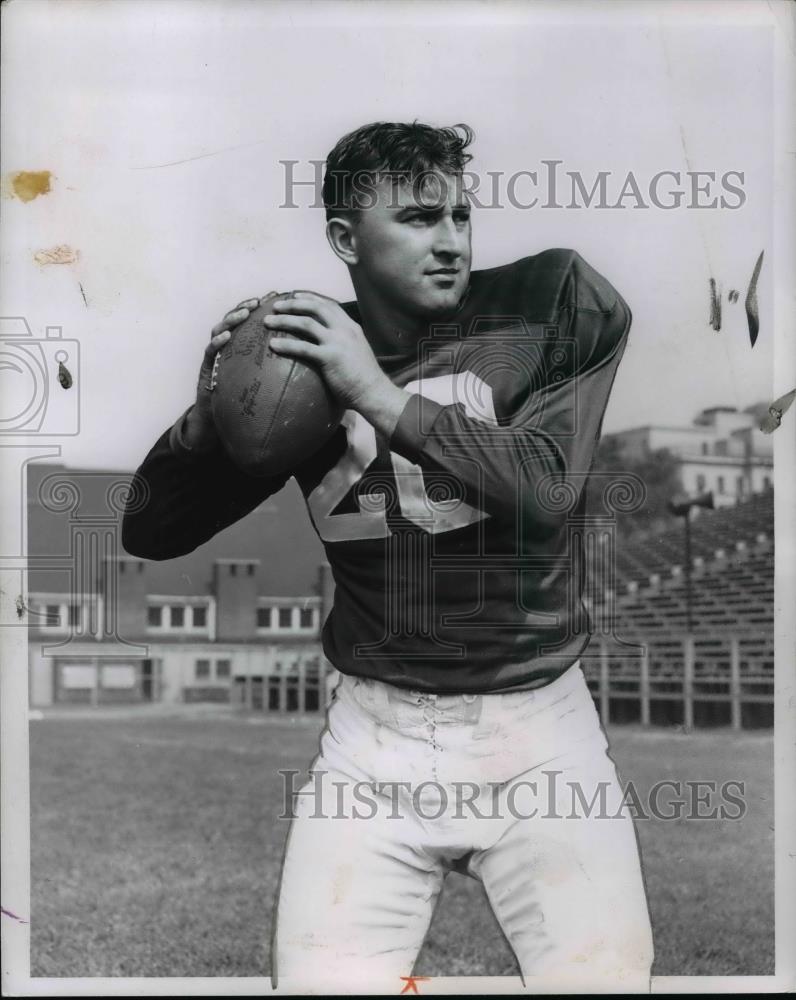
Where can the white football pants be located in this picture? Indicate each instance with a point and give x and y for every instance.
(516, 790)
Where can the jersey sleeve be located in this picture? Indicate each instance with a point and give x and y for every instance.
(549, 419)
(188, 498)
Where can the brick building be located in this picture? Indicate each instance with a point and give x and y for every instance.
(237, 621)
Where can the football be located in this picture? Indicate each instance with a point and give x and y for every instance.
(270, 412)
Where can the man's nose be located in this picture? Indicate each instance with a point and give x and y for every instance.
(448, 240)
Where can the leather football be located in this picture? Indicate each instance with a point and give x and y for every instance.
(271, 412)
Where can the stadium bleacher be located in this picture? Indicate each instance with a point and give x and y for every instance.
(732, 572)
(749, 524)
(647, 664)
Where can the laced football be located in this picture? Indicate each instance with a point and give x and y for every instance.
(270, 412)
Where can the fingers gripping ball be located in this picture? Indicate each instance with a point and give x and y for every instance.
(270, 412)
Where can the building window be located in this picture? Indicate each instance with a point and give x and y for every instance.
(766, 482)
(720, 483)
(233, 570)
(250, 569)
(177, 616)
(118, 676)
(202, 670)
(199, 616)
(223, 669)
(312, 684)
(77, 676)
(53, 615)
(739, 486)
(705, 448)
(285, 617)
(700, 482)
(292, 689)
(305, 618)
(154, 616)
(263, 618)
(74, 614)
(274, 687)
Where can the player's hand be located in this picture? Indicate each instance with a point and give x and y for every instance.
(331, 341)
(199, 432)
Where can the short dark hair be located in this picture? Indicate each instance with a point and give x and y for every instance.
(400, 150)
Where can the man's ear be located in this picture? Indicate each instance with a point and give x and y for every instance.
(342, 237)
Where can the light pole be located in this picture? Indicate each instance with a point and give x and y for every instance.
(680, 506)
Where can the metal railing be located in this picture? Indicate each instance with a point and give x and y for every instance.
(690, 679)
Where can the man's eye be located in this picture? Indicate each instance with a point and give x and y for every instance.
(461, 218)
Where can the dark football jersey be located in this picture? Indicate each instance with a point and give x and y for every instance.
(452, 545)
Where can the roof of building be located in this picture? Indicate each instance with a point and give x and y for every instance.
(699, 425)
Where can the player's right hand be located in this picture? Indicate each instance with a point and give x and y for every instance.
(199, 432)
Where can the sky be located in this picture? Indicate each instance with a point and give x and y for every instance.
(164, 124)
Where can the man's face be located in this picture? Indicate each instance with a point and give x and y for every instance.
(413, 245)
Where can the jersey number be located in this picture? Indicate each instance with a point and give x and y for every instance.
(416, 506)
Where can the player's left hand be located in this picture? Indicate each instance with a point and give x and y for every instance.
(334, 343)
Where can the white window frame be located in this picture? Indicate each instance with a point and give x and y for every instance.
(296, 605)
(166, 601)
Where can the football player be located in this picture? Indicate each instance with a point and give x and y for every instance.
(447, 501)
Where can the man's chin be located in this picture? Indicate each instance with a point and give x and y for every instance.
(442, 303)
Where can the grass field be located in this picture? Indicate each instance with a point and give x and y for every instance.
(156, 849)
